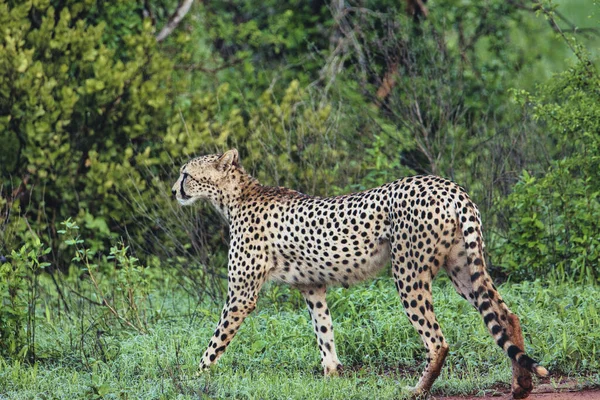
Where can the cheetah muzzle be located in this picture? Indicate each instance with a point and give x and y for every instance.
(421, 224)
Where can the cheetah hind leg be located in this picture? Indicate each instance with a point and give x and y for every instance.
(321, 318)
(418, 306)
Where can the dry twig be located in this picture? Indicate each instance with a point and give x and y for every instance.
(180, 12)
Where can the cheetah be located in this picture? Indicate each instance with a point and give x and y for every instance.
(420, 223)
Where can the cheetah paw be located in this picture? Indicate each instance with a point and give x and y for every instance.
(415, 393)
(334, 371)
(202, 370)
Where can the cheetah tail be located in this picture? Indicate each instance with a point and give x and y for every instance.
(502, 324)
(527, 362)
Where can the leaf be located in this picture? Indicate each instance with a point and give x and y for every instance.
(258, 346)
(23, 63)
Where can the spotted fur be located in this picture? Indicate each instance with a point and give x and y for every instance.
(421, 223)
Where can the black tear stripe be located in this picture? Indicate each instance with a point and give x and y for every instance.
(183, 195)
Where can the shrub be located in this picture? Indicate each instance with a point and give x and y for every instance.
(554, 220)
(19, 292)
(76, 118)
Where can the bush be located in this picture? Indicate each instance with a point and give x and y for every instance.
(19, 293)
(76, 118)
(554, 220)
(96, 128)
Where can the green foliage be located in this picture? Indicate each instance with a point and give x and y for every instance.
(296, 141)
(126, 281)
(77, 112)
(19, 296)
(96, 118)
(438, 92)
(275, 354)
(255, 45)
(94, 124)
(553, 224)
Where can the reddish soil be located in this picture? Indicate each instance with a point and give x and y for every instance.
(561, 389)
(589, 394)
(554, 387)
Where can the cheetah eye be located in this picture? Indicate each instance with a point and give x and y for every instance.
(187, 175)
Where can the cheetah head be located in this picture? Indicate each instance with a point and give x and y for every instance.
(207, 177)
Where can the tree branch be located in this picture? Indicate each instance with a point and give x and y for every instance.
(417, 8)
(180, 12)
(388, 82)
(572, 28)
(198, 67)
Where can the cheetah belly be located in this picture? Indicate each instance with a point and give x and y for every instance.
(330, 267)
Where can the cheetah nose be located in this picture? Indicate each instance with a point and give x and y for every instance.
(173, 192)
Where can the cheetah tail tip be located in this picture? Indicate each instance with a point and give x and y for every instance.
(540, 371)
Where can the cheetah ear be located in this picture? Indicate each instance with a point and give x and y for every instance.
(230, 158)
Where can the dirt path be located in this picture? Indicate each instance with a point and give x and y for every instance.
(593, 394)
(562, 389)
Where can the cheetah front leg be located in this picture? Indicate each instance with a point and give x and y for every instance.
(319, 313)
(241, 300)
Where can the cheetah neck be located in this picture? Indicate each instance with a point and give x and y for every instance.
(233, 194)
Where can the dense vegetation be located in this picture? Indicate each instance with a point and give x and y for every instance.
(274, 355)
(96, 115)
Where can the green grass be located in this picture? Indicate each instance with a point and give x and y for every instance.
(274, 355)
